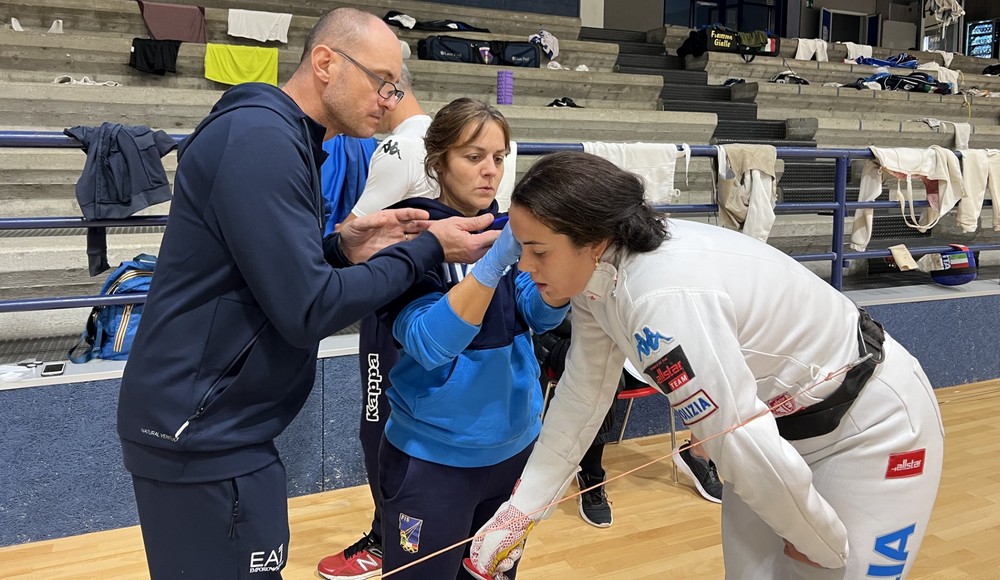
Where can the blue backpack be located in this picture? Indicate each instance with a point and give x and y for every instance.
(111, 328)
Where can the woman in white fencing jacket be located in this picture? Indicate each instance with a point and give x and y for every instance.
(825, 429)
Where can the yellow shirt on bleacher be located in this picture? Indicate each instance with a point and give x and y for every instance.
(232, 64)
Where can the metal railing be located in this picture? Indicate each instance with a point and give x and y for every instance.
(839, 207)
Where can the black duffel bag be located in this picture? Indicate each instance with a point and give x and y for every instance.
(527, 54)
(498, 52)
(455, 49)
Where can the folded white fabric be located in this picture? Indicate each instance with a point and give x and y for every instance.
(506, 186)
(856, 50)
(654, 162)
(16, 25)
(947, 56)
(810, 47)
(68, 80)
(262, 26)
(942, 73)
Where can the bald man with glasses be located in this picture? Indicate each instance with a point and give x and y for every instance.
(225, 355)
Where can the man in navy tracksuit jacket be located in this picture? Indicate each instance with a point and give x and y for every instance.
(225, 356)
(466, 409)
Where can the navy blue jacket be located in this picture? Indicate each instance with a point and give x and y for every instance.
(123, 175)
(225, 355)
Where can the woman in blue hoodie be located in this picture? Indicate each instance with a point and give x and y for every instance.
(466, 408)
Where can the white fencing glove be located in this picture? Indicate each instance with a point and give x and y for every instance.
(499, 544)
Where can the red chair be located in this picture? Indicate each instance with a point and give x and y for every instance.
(631, 395)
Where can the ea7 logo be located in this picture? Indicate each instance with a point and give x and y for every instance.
(267, 561)
(893, 547)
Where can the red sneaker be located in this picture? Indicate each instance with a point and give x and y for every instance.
(357, 562)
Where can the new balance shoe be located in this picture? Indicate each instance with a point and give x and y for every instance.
(357, 562)
(595, 509)
(700, 472)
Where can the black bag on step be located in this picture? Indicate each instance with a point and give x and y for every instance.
(513, 53)
(455, 49)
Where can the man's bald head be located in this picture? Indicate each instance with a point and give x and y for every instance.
(342, 28)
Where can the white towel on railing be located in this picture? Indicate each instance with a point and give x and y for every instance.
(654, 162)
(506, 186)
(747, 188)
(809, 47)
(262, 26)
(856, 50)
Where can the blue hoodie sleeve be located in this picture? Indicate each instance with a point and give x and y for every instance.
(539, 315)
(268, 216)
(431, 332)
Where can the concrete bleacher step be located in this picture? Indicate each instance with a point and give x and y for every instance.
(611, 34)
(648, 61)
(23, 105)
(106, 59)
(98, 15)
(684, 92)
(725, 110)
(641, 48)
(780, 101)
(680, 77)
(734, 131)
(672, 36)
(720, 66)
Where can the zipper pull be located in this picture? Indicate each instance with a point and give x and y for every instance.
(181, 430)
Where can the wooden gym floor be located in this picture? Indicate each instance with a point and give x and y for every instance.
(661, 530)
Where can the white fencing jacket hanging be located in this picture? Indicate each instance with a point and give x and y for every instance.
(936, 166)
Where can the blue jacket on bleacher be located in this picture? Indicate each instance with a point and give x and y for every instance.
(225, 355)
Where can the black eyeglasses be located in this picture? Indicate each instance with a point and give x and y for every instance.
(386, 89)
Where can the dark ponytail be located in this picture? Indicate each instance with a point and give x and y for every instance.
(590, 200)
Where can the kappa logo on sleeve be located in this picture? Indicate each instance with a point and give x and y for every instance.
(696, 407)
(649, 341)
(672, 371)
(906, 464)
(390, 147)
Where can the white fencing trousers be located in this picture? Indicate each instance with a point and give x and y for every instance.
(867, 470)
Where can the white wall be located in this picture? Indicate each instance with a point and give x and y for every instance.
(592, 13)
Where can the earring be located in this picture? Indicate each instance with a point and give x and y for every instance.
(597, 262)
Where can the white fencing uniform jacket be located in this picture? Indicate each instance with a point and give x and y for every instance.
(725, 326)
(396, 170)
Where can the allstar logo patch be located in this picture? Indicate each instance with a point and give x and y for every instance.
(672, 371)
(906, 464)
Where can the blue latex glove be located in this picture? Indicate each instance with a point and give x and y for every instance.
(504, 253)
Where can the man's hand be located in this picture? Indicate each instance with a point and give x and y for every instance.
(794, 554)
(362, 237)
(498, 544)
(456, 235)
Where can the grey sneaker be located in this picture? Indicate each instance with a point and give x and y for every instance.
(595, 509)
(700, 472)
